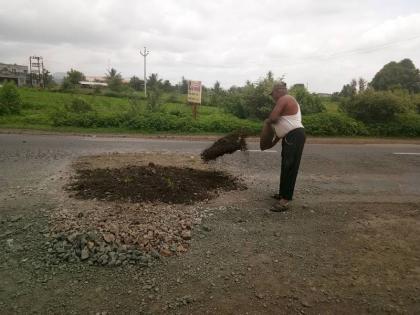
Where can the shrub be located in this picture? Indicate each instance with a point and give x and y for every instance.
(154, 95)
(415, 99)
(174, 98)
(10, 100)
(78, 105)
(309, 103)
(333, 124)
(375, 107)
(404, 125)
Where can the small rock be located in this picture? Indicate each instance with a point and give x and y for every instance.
(90, 245)
(155, 254)
(103, 259)
(16, 218)
(165, 252)
(109, 237)
(10, 242)
(186, 234)
(206, 228)
(85, 253)
(259, 295)
(72, 237)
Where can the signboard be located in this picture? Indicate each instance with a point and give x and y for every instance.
(194, 92)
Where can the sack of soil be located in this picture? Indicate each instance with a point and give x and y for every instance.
(226, 145)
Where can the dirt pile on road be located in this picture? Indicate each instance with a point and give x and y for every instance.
(226, 145)
(129, 210)
(151, 183)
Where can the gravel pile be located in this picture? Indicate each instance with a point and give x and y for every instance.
(95, 249)
(121, 234)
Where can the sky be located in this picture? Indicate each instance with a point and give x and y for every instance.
(323, 44)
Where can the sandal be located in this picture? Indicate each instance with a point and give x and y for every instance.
(278, 207)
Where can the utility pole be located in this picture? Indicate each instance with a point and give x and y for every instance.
(36, 71)
(145, 53)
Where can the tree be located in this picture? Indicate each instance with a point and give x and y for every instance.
(167, 86)
(362, 85)
(309, 103)
(154, 81)
(217, 94)
(217, 88)
(376, 106)
(74, 77)
(183, 86)
(349, 90)
(114, 80)
(48, 78)
(401, 74)
(136, 83)
(10, 101)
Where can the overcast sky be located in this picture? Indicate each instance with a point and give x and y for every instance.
(322, 43)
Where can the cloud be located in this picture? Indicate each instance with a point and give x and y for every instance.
(324, 43)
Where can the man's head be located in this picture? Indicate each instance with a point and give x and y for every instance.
(279, 89)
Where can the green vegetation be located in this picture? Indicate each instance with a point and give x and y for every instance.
(333, 124)
(398, 75)
(376, 106)
(10, 101)
(309, 103)
(359, 109)
(64, 111)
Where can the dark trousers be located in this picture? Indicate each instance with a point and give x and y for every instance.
(291, 153)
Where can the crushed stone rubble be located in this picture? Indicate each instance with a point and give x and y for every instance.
(121, 234)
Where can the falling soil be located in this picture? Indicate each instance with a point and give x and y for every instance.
(151, 183)
(225, 145)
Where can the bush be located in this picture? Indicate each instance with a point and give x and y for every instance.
(66, 118)
(10, 100)
(174, 98)
(309, 103)
(333, 124)
(375, 107)
(154, 95)
(404, 125)
(415, 99)
(179, 122)
(78, 105)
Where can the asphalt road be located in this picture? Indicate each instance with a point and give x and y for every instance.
(362, 171)
(351, 244)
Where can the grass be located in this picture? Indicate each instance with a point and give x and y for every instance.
(116, 115)
(331, 106)
(39, 106)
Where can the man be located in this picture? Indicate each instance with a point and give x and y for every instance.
(284, 122)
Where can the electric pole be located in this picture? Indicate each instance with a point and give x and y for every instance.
(145, 53)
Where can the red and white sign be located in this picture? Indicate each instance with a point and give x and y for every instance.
(194, 92)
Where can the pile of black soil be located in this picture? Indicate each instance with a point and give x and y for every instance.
(225, 145)
(151, 183)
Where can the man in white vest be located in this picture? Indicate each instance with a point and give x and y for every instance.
(284, 122)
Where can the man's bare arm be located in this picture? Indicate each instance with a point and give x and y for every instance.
(278, 110)
(268, 139)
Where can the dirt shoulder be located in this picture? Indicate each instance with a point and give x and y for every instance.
(310, 140)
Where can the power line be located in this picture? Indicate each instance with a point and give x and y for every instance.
(375, 48)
